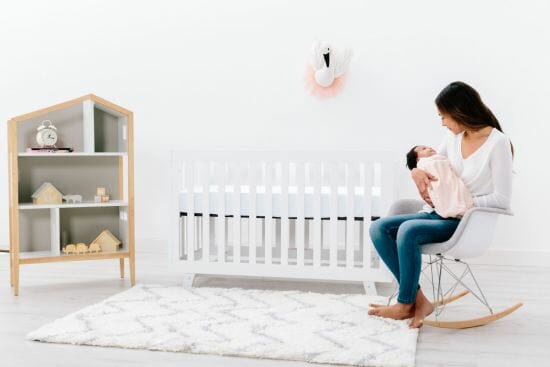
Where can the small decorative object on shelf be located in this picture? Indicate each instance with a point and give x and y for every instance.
(72, 198)
(100, 196)
(94, 247)
(107, 241)
(46, 137)
(69, 249)
(49, 150)
(47, 194)
(81, 248)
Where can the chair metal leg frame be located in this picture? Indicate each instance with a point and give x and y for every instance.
(441, 301)
(394, 294)
(458, 280)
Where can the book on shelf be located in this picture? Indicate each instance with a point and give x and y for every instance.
(49, 150)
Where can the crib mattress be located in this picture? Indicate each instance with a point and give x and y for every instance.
(245, 195)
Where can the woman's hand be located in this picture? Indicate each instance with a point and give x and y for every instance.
(422, 180)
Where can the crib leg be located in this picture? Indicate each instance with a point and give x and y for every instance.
(183, 237)
(188, 279)
(198, 233)
(370, 288)
(322, 235)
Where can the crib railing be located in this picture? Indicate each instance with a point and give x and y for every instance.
(223, 239)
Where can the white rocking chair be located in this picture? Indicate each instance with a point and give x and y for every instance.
(471, 238)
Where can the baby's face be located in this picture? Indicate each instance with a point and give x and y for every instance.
(423, 151)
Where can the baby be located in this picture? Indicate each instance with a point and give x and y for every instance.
(449, 195)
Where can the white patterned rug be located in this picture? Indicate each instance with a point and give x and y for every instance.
(290, 325)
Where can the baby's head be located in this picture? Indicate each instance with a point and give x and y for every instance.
(417, 152)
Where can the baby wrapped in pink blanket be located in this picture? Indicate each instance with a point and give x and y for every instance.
(449, 195)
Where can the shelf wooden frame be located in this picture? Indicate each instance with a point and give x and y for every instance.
(90, 106)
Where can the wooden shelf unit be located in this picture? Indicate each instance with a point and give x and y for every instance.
(101, 134)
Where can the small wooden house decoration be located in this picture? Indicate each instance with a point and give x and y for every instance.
(47, 194)
(107, 241)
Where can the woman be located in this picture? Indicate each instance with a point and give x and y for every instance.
(481, 154)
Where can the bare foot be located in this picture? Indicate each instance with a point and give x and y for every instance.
(423, 308)
(398, 311)
(375, 305)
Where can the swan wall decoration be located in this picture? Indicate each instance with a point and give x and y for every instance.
(325, 75)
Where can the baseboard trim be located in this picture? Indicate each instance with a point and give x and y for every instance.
(513, 257)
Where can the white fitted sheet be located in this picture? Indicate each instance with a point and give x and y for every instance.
(277, 201)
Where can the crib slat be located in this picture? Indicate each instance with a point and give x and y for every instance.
(268, 219)
(350, 213)
(317, 214)
(190, 230)
(386, 185)
(333, 235)
(182, 224)
(252, 213)
(300, 183)
(368, 174)
(237, 214)
(206, 211)
(285, 223)
(220, 220)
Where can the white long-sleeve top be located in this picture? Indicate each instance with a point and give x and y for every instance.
(487, 172)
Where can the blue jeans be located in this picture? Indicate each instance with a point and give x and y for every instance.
(398, 239)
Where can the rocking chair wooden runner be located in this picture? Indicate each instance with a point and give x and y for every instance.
(471, 238)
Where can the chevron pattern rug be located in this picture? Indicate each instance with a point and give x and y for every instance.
(289, 325)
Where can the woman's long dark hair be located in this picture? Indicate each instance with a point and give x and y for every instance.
(463, 103)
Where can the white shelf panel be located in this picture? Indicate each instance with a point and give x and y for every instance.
(74, 154)
(35, 254)
(30, 206)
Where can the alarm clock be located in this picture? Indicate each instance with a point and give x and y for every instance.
(46, 135)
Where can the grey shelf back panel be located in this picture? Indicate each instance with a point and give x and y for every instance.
(69, 124)
(70, 175)
(34, 230)
(85, 224)
(108, 132)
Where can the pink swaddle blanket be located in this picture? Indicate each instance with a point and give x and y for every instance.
(450, 196)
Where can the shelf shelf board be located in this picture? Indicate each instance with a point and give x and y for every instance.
(35, 254)
(74, 154)
(87, 204)
(35, 257)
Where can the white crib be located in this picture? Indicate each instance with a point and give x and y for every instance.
(283, 214)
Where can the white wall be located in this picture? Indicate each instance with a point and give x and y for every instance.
(229, 74)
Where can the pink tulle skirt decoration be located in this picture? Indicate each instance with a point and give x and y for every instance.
(317, 90)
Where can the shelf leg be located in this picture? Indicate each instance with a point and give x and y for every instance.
(16, 278)
(121, 268)
(11, 269)
(132, 262)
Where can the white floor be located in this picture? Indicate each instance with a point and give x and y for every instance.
(49, 291)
